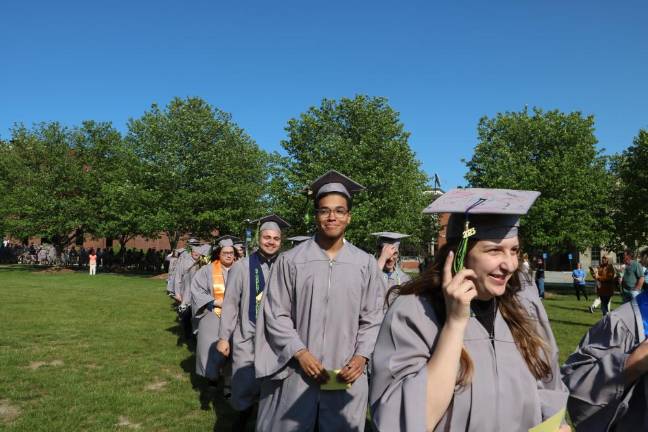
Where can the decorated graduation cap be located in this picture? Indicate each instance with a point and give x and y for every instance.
(271, 222)
(298, 239)
(491, 214)
(226, 240)
(334, 182)
(386, 237)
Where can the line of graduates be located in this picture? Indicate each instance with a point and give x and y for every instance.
(324, 330)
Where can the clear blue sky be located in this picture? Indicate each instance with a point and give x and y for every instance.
(442, 65)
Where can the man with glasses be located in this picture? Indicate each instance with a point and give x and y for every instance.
(243, 293)
(321, 315)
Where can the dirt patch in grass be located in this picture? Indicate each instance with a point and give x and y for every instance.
(124, 422)
(38, 364)
(8, 412)
(161, 276)
(156, 386)
(55, 270)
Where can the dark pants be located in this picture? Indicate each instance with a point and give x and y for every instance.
(605, 304)
(580, 288)
(540, 285)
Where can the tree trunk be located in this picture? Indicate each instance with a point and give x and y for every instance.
(174, 238)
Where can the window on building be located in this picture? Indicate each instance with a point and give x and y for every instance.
(596, 255)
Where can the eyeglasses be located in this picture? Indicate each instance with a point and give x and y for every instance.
(227, 253)
(326, 212)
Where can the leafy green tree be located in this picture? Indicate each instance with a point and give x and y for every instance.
(554, 153)
(122, 206)
(49, 192)
(364, 139)
(201, 171)
(631, 169)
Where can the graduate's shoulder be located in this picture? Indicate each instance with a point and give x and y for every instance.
(241, 265)
(412, 307)
(297, 251)
(360, 255)
(622, 318)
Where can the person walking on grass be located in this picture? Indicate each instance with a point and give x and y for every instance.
(578, 276)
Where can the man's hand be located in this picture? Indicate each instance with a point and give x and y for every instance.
(565, 428)
(388, 250)
(311, 367)
(353, 370)
(223, 347)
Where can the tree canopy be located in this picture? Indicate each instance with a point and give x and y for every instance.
(364, 139)
(554, 153)
(631, 216)
(203, 171)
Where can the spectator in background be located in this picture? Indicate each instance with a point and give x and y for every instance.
(100, 254)
(644, 263)
(633, 276)
(540, 276)
(605, 283)
(578, 276)
(525, 266)
(92, 259)
(83, 257)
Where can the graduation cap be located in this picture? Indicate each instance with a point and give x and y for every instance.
(298, 239)
(492, 214)
(226, 240)
(204, 249)
(271, 222)
(386, 237)
(334, 182)
(193, 242)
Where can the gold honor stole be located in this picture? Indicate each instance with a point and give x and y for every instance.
(218, 285)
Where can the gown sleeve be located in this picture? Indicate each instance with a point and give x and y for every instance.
(594, 372)
(399, 375)
(231, 301)
(371, 312)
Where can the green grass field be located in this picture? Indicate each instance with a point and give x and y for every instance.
(81, 353)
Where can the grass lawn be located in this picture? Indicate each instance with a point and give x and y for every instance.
(81, 353)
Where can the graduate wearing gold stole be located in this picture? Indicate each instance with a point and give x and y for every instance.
(207, 293)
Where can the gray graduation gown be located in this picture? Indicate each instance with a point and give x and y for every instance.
(333, 309)
(185, 269)
(503, 394)
(171, 275)
(397, 277)
(600, 400)
(208, 360)
(237, 327)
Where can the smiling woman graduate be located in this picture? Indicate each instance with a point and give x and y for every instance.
(466, 346)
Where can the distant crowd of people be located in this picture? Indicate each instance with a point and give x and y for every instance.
(105, 259)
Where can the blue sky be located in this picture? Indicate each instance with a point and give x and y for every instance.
(442, 65)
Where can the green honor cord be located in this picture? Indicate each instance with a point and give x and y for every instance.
(462, 249)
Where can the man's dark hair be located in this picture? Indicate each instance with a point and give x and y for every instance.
(629, 252)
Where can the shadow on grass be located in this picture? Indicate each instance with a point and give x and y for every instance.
(584, 308)
(210, 396)
(571, 323)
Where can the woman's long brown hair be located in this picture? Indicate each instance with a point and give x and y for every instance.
(533, 348)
